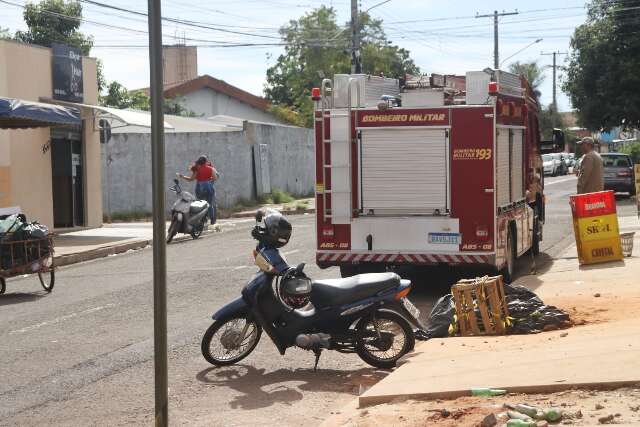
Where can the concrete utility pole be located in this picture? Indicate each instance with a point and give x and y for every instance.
(554, 66)
(356, 68)
(159, 243)
(496, 15)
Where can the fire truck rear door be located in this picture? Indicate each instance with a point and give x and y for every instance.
(404, 170)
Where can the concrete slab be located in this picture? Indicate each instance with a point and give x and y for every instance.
(604, 353)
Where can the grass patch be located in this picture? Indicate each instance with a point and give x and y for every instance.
(129, 216)
(280, 196)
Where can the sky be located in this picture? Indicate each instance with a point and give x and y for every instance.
(443, 37)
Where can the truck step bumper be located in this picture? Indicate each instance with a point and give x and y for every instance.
(327, 258)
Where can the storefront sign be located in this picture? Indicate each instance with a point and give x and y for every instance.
(67, 73)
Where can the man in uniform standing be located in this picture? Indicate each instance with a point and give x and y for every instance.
(591, 175)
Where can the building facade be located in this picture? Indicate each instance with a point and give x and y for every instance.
(51, 174)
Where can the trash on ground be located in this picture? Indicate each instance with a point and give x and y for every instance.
(527, 314)
(487, 391)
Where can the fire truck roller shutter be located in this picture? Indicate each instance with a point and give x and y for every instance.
(404, 171)
(517, 165)
(503, 185)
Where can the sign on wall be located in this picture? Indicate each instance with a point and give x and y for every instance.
(67, 73)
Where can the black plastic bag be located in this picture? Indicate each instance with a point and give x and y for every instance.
(441, 317)
(36, 231)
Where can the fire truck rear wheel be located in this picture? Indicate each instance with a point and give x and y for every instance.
(509, 268)
(535, 244)
(349, 270)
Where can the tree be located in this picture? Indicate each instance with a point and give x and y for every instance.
(317, 47)
(54, 21)
(603, 75)
(531, 71)
(549, 120)
(119, 96)
(5, 34)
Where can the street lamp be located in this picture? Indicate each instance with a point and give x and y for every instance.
(526, 47)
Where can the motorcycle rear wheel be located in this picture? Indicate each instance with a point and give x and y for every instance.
(173, 230)
(396, 341)
(223, 345)
(199, 229)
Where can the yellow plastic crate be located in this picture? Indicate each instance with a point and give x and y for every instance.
(595, 251)
(597, 228)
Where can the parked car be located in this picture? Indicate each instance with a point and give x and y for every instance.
(618, 173)
(568, 160)
(553, 164)
(576, 166)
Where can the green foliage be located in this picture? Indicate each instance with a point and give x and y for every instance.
(531, 71)
(48, 23)
(126, 216)
(549, 119)
(633, 150)
(280, 196)
(317, 47)
(5, 34)
(102, 81)
(602, 78)
(287, 115)
(119, 96)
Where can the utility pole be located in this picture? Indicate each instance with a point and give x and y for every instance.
(554, 66)
(496, 15)
(356, 68)
(156, 90)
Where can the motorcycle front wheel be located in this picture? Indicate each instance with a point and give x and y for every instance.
(229, 341)
(384, 338)
(173, 230)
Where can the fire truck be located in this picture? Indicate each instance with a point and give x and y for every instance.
(436, 170)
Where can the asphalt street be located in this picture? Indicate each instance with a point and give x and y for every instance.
(83, 355)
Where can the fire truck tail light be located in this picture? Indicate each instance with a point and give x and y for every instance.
(493, 88)
(482, 232)
(315, 94)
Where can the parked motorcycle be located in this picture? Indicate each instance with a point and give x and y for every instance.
(188, 215)
(367, 314)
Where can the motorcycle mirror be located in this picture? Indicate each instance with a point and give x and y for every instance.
(175, 180)
(259, 215)
(300, 267)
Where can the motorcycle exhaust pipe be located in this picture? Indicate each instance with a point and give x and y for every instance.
(308, 341)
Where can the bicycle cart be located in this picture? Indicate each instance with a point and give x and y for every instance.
(32, 256)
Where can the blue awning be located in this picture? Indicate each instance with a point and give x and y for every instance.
(19, 114)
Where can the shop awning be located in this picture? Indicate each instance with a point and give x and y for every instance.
(115, 116)
(19, 114)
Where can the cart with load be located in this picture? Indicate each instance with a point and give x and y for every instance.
(25, 248)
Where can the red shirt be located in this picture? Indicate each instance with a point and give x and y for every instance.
(204, 173)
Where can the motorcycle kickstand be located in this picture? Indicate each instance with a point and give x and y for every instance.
(317, 352)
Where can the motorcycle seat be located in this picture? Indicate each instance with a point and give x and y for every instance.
(198, 206)
(332, 292)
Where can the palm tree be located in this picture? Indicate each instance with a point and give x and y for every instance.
(531, 71)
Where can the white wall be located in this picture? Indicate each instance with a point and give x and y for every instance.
(127, 179)
(207, 102)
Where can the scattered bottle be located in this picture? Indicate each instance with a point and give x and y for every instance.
(486, 391)
(527, 410)
(553, 414)
(520, 423)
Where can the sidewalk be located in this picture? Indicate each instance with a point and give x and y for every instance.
(111, 239)
(603, 351)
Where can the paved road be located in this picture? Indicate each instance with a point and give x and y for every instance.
(82, 355)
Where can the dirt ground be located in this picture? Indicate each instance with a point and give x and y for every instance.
(580, 408)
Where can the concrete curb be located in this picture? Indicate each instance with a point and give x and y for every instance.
(251, 214)
(89, 255)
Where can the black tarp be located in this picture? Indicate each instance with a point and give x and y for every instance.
(19, 114)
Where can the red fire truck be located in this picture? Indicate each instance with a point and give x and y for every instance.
(448, 171)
